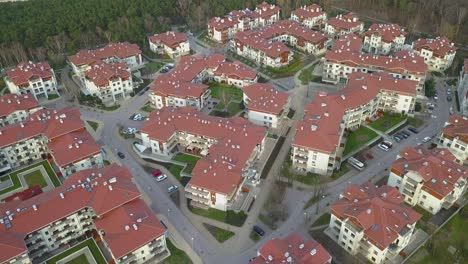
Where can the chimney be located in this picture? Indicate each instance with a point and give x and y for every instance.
(135, 227)
(62, 195)
(34, 207)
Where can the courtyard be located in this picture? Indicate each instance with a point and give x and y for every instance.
(358, 138)
(387, 121)
(39, 174)
(84, 252)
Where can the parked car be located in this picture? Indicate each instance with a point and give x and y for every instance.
(387, 143)
(172, 188)
(414, 130)
(397, 138)
(383, 147)
(163, 70)
(449, 98)
(426, 139)
(403, 134)
(369, 156)
(170, 66)
(156, 173)
(121, 155)
(258, 230)
(406, 133)
(130, 130)
(161, 177)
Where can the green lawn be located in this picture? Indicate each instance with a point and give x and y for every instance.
(17, 183)
(81, 259)
(343, 170)
(234, 108)
(225, 92)
(306, 75)
(176, 170)
(358, 138)
(106, 162)
(452, 235)
(254, 236)
(147, 108)
(93, 125)
(177, 256)
(109, 108)
(154, 66)
(322, 220)
(35, 178)
(87, 243)
(387, 121)
(228, 217)
(189, 159)
(52, 96)
(415, 122)
(219, 234)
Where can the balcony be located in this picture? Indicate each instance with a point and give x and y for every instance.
(199, 192)
(413, 182)
(197, 198)
(365, 246)
(299, 157)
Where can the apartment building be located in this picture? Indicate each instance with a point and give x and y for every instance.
(431, 179)
(454, 137)
(265, 105)
(103, 204)
(310, 16)
(266, 46)
(183, 86)
(383, 39)
(371, 221)
(109, 82)
(16, 108)
(234, 73)
(57, 135)
(320, 137)
(37, 79)
(229, 147)
(463, 88)
(345, 58)
(438, 53)
(174, 44)
(343, 24)
(292, 249)
(121, 52)
(223, 29)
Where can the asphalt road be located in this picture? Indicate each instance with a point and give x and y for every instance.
(161, 202)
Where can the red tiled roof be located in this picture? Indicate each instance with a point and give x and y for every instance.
(120, 50)
(320, 128)
(457, 126)
(50, 123)
(26, 71)
(10, 103)
(388, 32)
(348, 54)
(349, 42)
(51, 207)
(307, 12)
(220, 171)
(235, 70)
(171, 39)
(440, 46)
(260, 39)
(102, 73)
(223, 23)
(178, 81)
(376, 210)
(265, 98)
(129, 227)
(294, 248)
(347, 21)
(437, 167)
(73, 147)
(265, 10)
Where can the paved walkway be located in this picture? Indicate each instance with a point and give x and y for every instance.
(380, 133)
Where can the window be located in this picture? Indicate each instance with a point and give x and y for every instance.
(424, 196)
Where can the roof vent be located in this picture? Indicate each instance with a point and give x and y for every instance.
(127, 228)
(270, 257)
(110, 187)
(301, 246)
(34, 207)
(113, 180)
(135, 227)
(368, 211)
(313, 251)
(62, 195)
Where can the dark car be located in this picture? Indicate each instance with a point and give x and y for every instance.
(163, 70)
(121, 155)
(258, 230)
(449, 98)
(407, 134)
(414, 130)
(402, 135)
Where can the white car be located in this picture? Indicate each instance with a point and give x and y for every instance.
(383, 147)
(131, 130)
(426, 139)
(161, 177)
(172, 188)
